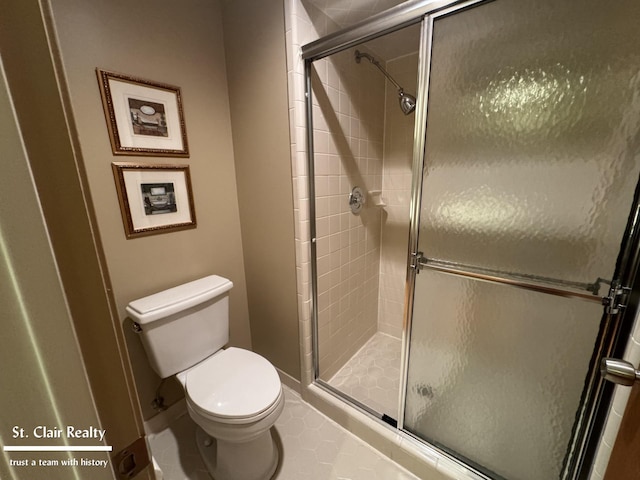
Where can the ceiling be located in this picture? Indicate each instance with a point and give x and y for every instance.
(348, 12)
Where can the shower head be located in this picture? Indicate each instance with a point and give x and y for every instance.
(407, 102)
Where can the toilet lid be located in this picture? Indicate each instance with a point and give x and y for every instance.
(233, 383)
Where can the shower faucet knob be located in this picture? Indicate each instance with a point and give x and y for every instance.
(356, 200)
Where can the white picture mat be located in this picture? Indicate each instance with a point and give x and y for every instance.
(121, 92)
(133, 179)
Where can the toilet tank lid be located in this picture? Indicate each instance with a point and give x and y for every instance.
(176, 299)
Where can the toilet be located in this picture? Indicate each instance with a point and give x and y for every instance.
(233, 395)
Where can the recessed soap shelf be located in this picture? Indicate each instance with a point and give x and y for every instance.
(376, 198)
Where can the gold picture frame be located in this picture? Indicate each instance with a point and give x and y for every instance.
(154, 198)
(143, 117)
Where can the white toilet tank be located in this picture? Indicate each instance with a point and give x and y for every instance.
(183, 325)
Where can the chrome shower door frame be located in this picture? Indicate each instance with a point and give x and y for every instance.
(615, 329)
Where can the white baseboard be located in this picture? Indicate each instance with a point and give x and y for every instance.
(290, 382)
(162, 420)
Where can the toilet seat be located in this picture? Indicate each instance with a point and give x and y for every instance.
(233, 386)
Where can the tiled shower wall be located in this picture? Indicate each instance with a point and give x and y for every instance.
(348, 117)
(396, 194)
(361, 259)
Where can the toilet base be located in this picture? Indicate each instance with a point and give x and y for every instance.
(228, 460)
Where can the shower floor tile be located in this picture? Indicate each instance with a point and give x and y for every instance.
(314, 448)
(372, 375)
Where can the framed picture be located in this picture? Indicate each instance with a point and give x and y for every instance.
(143, 117)
(154, 198)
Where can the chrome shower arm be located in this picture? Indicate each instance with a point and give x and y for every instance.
(407, 102)
(375, 62)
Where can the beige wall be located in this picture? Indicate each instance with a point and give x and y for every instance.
(166, 42)
(183, 47)
(43, 378)
(40, 109)
(257, 79)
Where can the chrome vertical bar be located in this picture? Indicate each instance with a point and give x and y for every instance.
(419, 138)
(312, 219)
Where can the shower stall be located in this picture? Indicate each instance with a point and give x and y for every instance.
(473, 174)
(363, 141)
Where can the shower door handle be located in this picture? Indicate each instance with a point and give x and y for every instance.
(619, 371)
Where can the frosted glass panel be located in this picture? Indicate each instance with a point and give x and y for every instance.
(533, 136)
(496, 372)
(531, 161)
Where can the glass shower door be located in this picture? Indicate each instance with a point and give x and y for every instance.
(359, 188)
(531, 162)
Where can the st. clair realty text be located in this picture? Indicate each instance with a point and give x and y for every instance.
(70, 431)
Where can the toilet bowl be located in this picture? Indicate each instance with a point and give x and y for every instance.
(233, 395)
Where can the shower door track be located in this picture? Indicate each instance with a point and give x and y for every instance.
(391, 20)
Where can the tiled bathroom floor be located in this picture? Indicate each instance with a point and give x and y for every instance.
(314, 448)
(372, 376)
